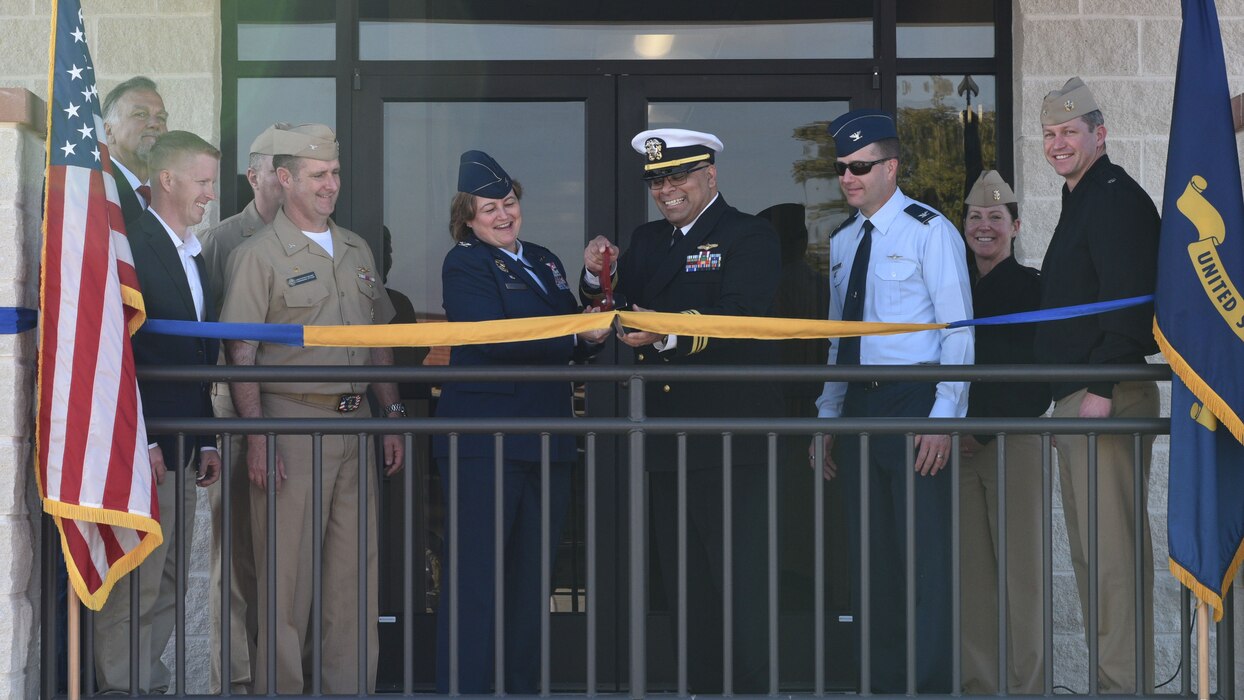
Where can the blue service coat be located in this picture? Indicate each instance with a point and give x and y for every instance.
(482, 283)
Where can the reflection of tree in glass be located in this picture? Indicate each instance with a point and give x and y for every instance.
(932, 149)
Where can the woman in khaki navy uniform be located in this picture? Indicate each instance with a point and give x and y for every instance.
(1001, 286)
(490, 275)
(304, 269)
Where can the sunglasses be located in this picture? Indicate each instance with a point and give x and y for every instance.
(858, 167)
(676, 179)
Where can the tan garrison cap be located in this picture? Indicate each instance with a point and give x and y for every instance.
(265, 142)
(1072, 100)
(305, 141)
(990, 190)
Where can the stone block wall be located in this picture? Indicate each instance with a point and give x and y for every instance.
(177, 44)
(1126, 51)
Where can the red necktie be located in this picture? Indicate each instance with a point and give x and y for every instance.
(144, 191)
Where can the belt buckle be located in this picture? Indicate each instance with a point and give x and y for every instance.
(348, 403)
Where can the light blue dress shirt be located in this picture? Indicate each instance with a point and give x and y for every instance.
(917, 273)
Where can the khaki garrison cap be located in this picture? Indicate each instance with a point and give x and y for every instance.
(1073, 100)
(990, 190)
(305, 141)
(265, 142)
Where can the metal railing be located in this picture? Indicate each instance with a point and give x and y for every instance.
(631, 603)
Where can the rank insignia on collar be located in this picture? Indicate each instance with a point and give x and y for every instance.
(464, 244)
(706, 246)
(501, 265)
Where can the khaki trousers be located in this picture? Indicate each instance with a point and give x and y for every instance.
(1116, 533)
(243, 623)
(978, 537)
(157, 600)
(340, 551)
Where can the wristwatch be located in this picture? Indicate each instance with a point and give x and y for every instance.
(398, 407)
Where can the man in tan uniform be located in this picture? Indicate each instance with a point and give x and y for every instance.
(218, 244)
(304, 269)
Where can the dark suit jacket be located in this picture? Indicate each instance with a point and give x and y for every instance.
(131, 207)
(482, 283)
(166, 294)
(728, 264)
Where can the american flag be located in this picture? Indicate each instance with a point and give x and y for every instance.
(93, 470)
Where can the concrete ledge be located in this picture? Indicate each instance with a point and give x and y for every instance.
(24, 108)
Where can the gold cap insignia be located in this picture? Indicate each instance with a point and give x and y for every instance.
(652, 148)
(1069, 105)
(997, 196)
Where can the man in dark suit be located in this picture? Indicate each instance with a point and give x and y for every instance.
(175, 286)
(704, 257)
(134, 117)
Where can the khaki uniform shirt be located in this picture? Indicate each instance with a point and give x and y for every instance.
(220, 241)
(281, 276)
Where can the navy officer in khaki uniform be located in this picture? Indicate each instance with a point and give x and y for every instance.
(704, 257)
(304, 269)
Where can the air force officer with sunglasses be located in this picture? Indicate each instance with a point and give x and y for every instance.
(896, 260)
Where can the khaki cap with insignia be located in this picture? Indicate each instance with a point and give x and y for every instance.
(1073, 99)
(305, 141)
(265, 142)
(990, 190)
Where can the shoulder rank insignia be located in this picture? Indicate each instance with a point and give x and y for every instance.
(501, 265)
(845, 223)
(465, 244)
(921, 214)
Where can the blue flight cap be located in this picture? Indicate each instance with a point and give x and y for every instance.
(858, 128)
(480, 175)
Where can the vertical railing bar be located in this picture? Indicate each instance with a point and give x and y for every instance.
(727, 565)
(1091, 625)
(1139, 515)
(773, 564)
(226, 564)
(1047, 562)
(638, 546)
(364, 621)
(910, 559)
(1185, 641)
(956, 578)
(1003, 624)
(270, 560)
(408, 564)
(181, 562)
(865, 570)
(498, 564)
(452, 517)
(317, 563)
(590, 594)
(682, 564)
(546, 567)
(818, 576)
(135, 654)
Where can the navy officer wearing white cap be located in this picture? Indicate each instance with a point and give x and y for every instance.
(704, 257)
(896, 260)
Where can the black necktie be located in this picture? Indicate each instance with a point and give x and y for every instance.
(675, 235)
(853, 304)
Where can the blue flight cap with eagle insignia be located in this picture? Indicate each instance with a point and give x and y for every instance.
(480, 175)
(673, 151)
(858, 128)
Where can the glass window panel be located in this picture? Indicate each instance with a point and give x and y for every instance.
(790, 159)
(265, 101)
(945, 28)
(423, 141)
(282, 41)
(943, 149)
(497, 41)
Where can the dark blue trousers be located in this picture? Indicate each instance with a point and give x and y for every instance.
(887, 473)
(476, 602)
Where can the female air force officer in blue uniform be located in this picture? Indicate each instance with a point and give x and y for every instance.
(489, 275)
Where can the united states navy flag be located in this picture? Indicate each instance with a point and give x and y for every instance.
(1199, 319)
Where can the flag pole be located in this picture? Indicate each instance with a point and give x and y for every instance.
(1202, 624)
(74, 643)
